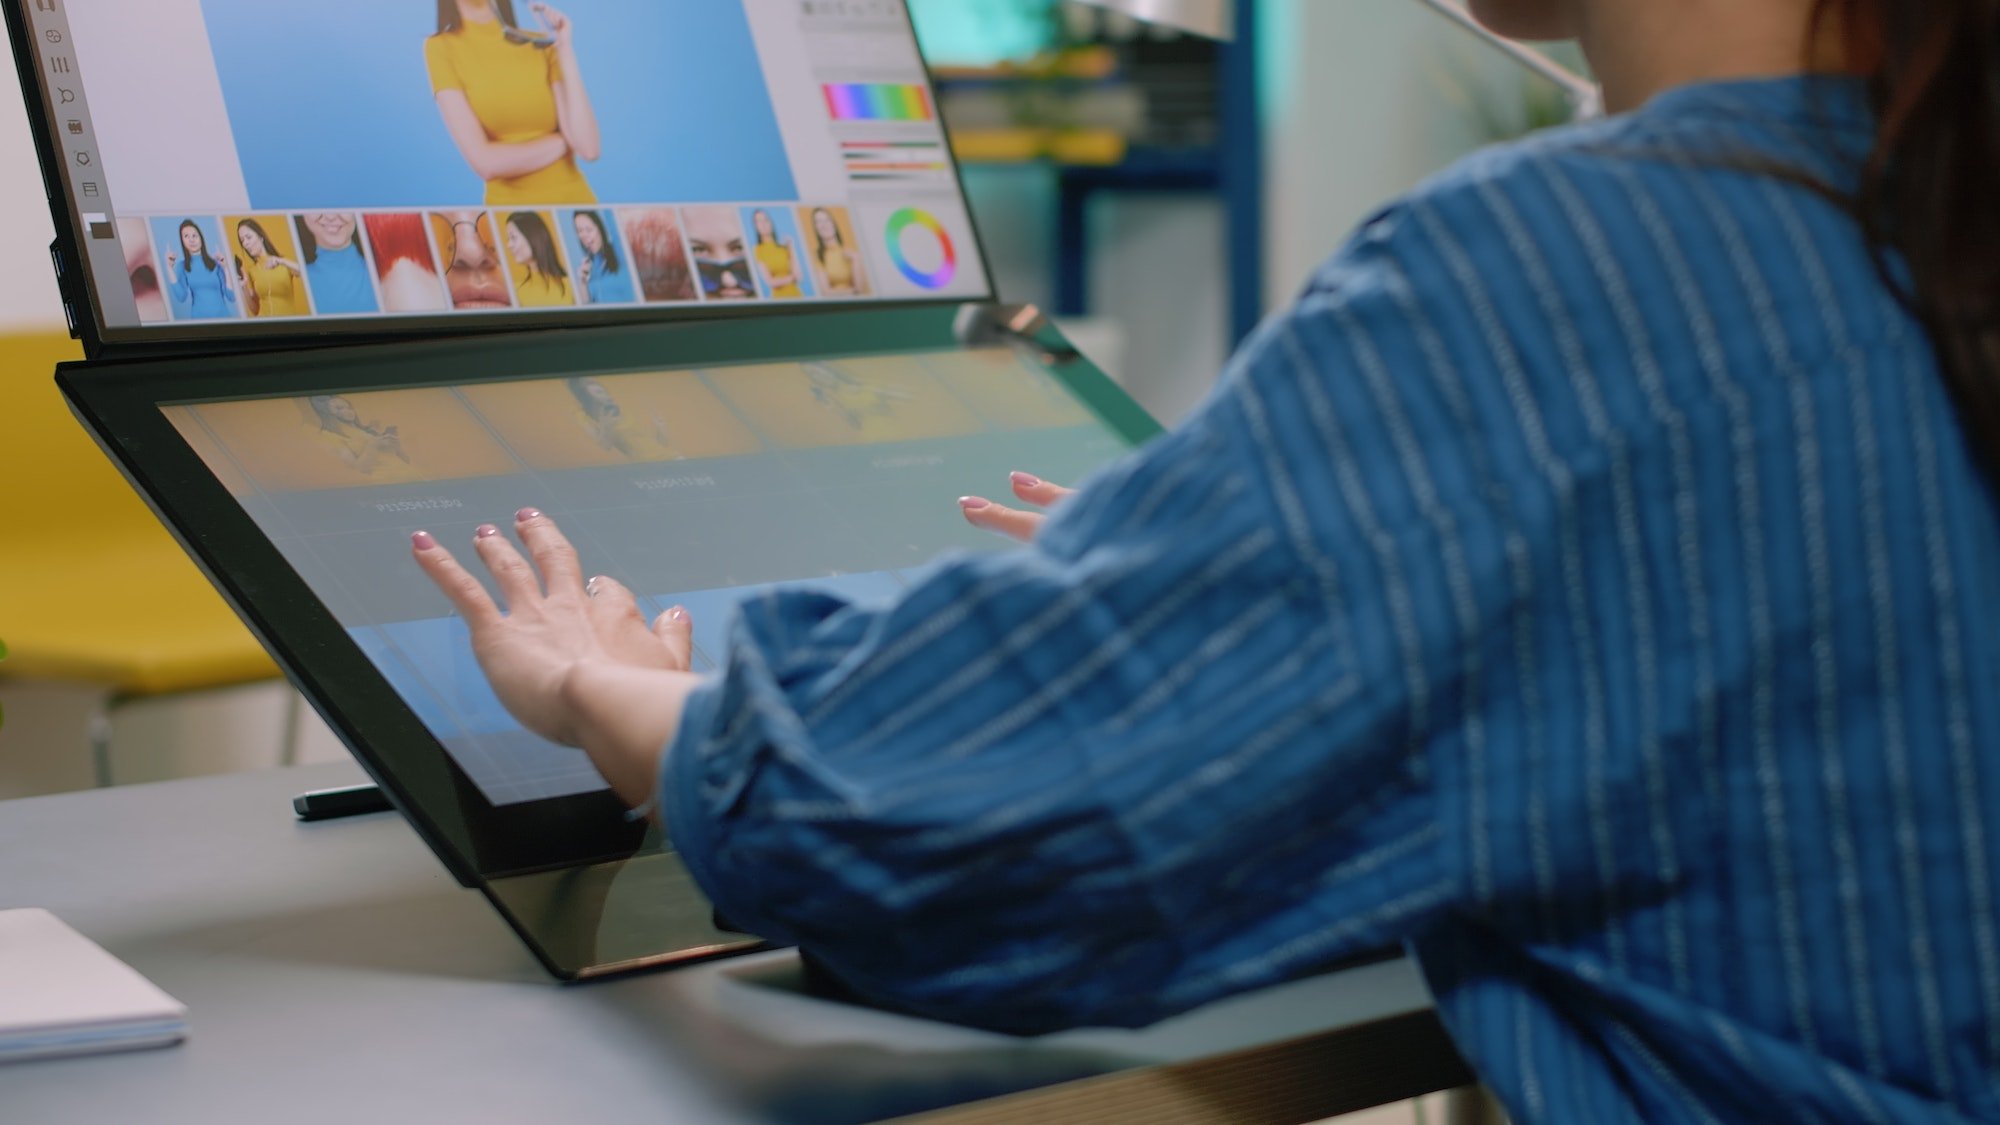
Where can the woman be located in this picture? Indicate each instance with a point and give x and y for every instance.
(539, 278)
(775, 258)
(601, 272)
(615, 431)
(198, 284)
(1588, 582)
(841, 273)
(474, 275)
(272, 285)
(517, 110)
(374, 451)
(336, 266)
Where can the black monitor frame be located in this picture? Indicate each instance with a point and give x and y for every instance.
(120, 403)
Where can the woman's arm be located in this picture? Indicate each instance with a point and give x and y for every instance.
(575, 116)
(490, 159)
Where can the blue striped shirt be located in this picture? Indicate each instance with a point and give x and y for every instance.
(1586, 582)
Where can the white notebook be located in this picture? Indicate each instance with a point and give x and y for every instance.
(62, 994)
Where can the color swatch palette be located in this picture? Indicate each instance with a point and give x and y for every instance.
(878, 101)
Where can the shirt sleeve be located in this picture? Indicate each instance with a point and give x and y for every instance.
(443, 68)
(1169, 752)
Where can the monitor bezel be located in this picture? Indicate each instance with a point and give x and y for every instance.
(77, 284)
(120, 401)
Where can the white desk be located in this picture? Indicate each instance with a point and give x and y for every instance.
(334, 973)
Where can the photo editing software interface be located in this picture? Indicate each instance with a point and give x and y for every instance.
(244, 160)
(697, 488)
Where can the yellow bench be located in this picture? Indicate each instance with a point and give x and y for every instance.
(92, 589)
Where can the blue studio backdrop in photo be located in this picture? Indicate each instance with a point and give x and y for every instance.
(331, 104)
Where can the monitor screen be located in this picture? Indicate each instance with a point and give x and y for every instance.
(696, 487)
(298, 167)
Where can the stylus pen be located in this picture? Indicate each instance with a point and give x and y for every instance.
(334, 804)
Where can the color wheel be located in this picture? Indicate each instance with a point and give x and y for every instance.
(902, 223)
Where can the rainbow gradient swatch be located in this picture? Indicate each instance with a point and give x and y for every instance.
(878, 101)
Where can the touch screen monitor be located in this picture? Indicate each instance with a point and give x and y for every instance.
(251, 167)
(699, 485)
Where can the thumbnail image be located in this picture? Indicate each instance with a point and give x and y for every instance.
(659, 253)
(852, 402)
(137, 243)
(336, 263)
(196, 268)
(603, 270)
(474, 274)
(1006, 390)
(265, 261)
(774, 240)
(405, 264)
(611, 420)
(541, 280)
(496, 104)
(346, 441)
(721, 259)
(832, 249)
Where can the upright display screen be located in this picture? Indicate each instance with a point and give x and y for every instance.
(327, 166)
(697, 488)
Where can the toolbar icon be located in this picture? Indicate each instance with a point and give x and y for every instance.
(89, 189)
(75, 127)
(83, 160)
(52, 35)
(45, 5)
(65, 96)
(59, 64)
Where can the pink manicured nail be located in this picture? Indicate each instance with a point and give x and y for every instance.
(526, 514)
(1023, 480)
(486, 531)
(678, 613)
(974, 503)
(423, 541)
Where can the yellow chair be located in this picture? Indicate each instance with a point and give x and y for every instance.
(92, 589)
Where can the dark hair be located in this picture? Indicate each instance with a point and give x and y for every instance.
(610, 251)
(541, 245)
(270, 247)
(1928, 191)
(775, 236)
(309, 242)
(450, 20)
(207, 259)
(823, 243)
(322, 406)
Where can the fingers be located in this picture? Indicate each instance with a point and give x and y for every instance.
(510, 571)
(611, 602)
(981, 512)
(467, 596)
(1037, 491)
(676, 630)
(552, 552)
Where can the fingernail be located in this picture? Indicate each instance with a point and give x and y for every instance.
(590, 587)
(974, 503)
(423, 541)
(526, 514)
(486, 531)
(678, 613)
(1023, 480)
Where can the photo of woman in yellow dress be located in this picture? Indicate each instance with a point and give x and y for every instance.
(514, 101)
(273, 285)
(841, 271)
(615, 431)
(372, 450)
(867, 409)
(776, 258)
(540, 279)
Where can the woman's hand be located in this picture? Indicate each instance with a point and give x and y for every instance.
(981, 512)
(553, 624)
(557, 23)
